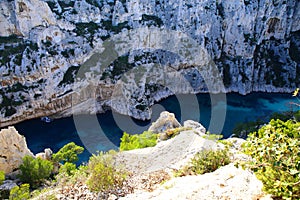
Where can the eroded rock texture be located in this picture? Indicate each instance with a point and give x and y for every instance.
(128, 54)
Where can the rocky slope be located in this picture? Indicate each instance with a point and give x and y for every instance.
(128, 54)
(152, 170)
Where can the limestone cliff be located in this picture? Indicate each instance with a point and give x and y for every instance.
(124, 54)
(13, 148)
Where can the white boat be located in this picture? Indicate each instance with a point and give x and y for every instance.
(46, 119)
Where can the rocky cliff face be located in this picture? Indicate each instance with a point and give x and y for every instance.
(56, 55)
(13, 148)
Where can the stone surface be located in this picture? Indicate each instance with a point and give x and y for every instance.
(227, 182)
(20, 16)
(170, 47)
(13, 148)
(165, 121)
(166, 155)
(196, 126)
(46, 155)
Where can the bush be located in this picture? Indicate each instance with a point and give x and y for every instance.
(67, 169)
(2, 177)
(20, 193)
(68, 153)
(138, 141)
(275, 150)
(103, 175)
(211, 136)
(206, 161)
(35, 170)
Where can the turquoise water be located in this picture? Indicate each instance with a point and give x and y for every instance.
(86, 132)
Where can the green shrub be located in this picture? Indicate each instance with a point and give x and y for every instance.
(68, 169)
(2, 177)
(138, 141)
(206, 161)
(68, 153)
(35, 170)
(103, 175)
(211, 136)
(20, 193)
(275, 150)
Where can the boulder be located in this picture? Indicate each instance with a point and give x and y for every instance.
(13, 148)
(196, 126)
(46, 155)
(165, 121)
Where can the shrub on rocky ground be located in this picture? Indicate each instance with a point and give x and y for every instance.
(35, 170)
(68, 153)
(67, 169)
(20, 192)
(275, 150)
(138, 141)
(104, 176)
(2, 177)
(206, 161)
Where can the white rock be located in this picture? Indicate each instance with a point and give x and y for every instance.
(165, 121)
(46, 155)
(32, 13)
(13, 148)
(196, 126)
(228, 182)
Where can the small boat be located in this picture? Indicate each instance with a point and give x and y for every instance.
(46, 119)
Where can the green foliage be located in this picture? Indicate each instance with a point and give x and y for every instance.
(103, 175)
(138, 141)
(211, 136)
(20, 193)
(206, 161)
(68, 169)
(2, 177)
(69, 76)
(68, 153)
(35, 170)
(275, 150)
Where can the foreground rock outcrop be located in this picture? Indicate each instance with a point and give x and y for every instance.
(152, 172)
(228, 182)
(128, 54)
(13, 148)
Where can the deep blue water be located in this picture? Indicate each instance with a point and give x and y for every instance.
(103, 132)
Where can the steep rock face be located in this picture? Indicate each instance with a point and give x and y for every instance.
(13, 148)
(20, 16)
(128, 54)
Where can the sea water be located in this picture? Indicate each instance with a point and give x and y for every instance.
(102, 132)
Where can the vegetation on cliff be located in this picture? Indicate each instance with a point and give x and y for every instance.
(275, 150)
(138, 141)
